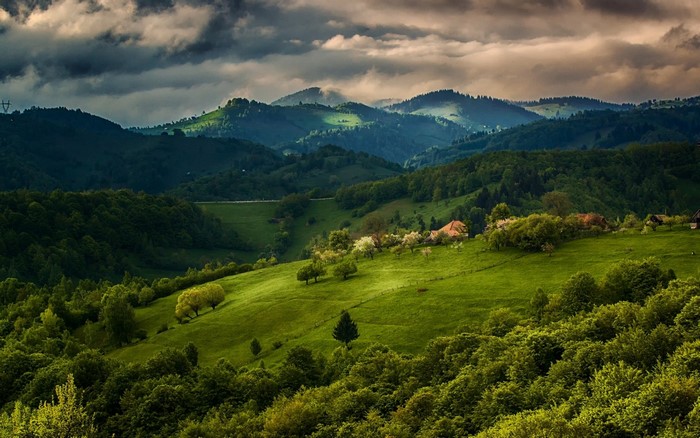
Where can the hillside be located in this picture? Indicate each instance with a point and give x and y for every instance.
(312, 95)
(47, 149)
(304, 128)
(461, 288)
(565, 107)
(473, 113)
(639, 180)
(101, 235)
(320, 172)
(588, 130)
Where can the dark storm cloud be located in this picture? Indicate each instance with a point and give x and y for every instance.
(632, 8)
(151, 61)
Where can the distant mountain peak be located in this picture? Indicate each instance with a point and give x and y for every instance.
(323, 96)
(480, 113)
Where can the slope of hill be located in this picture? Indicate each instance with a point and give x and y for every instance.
(46, 149)
(312, 95)
(564, 107)
(304, 128)
(49, 149)
(588, 130)
(473, 113)
(320, 172)
(389, 296)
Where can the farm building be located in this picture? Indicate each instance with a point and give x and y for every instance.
(455, 230)
(695, 221)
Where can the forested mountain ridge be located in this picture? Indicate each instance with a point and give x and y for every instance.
(564, 107)
(47, 149)
(476, 114)
(638, 179)
(587, 130)
(304, 128)
(320, 173)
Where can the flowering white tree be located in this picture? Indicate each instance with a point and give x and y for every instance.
(365, 246)
(411, 239)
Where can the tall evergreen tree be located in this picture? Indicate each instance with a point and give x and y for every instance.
(346, 329)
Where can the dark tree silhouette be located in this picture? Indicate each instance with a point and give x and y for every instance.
(346, 329)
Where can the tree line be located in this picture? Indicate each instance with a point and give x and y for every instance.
(45, 236)
(637, 179)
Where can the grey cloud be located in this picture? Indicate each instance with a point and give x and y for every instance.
(680, 37)
(646, 8)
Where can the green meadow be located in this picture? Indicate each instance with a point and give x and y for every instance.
(401, 302)
(251, 220)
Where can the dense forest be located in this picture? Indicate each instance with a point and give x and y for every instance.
(46, 236)
(638, 179)
(320, 172)
(611, 357)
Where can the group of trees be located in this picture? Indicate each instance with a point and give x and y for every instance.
(97, 234)
(194, 299)
(614, 356)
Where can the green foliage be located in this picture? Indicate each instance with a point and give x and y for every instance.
(48, 236)
(118, 317)
(656, 177)
(633, 280)
(345, 268)
(194, 299)
(578, 293)
(64, 417)
(346, 329)
(255, 347)
(309, 271)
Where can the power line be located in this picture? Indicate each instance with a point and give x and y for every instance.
(6, 106)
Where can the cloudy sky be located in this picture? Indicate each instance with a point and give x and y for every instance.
(142, 62)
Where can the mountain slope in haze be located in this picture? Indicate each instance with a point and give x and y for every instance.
(564, 107)
(304, 128)
(473, 113)
(587, 130)
(313, 95)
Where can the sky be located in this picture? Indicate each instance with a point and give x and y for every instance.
(145, 62)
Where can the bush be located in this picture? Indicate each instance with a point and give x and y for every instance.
(141, 334)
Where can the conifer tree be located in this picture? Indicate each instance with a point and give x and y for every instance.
(346, 329)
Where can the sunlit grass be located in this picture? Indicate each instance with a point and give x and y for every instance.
(401, 302)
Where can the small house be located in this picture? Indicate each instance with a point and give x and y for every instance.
(695, 221)
(455, 230)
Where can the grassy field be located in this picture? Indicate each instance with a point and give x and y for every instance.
(250, 219)
(402, 302)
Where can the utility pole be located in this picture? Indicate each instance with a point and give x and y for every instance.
(6, 106)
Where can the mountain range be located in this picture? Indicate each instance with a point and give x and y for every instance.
(306, 120)
(251, 150)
